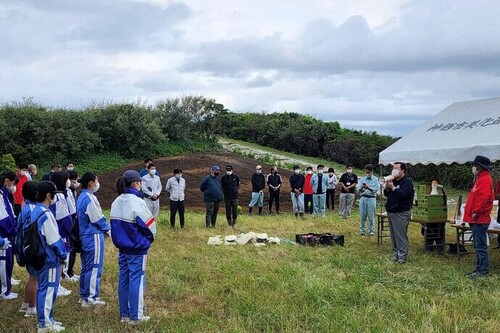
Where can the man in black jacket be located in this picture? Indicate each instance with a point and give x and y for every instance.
(230, 186)
(274, 182)
(258, 185)
(297, 194)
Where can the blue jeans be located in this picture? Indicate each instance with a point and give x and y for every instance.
(297, 203)
(479, 234)
(367, 211)
(319, 204)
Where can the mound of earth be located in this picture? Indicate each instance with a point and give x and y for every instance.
(194, 168)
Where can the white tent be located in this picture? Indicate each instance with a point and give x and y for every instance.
(456, 134)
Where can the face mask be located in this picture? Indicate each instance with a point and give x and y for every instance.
(309, 172)
(152, 172)
(229, 173)
(178, 176)
(68, 183)
(349, 170)
(320, 171)
(70, 168)
(216, 174)
(330, 174)
(53, 200)
(12, 189)
(395, 173)
(76, 184)
(96, 187)
(275, 172)
(297, 171)
(474, 170)
(369, 175)
(258, 171)
(24, 173)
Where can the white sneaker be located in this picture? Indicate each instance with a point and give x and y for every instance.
(125, 320)
(51, 328)
(61, 291)
(24, 307)
(74, 278)
(92, 302)
(14, 282)
(30, 312)
(11, 295)
(140, 320)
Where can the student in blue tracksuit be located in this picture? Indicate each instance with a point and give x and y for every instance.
(29, 194)
(8, 229)
(93, 227)
(133, 229)
(60, 210)
(48, 276)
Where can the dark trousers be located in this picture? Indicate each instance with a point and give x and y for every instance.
(330, 197)
(17, 210)
(176, 206)
(71, 263)
(479, 235)
(435, 234)
(308, 203)
(231, 211)
(274, 196)
(211, 214)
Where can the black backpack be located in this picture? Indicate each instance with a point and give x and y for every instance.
(33, 250)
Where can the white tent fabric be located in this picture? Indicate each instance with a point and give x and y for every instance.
(456, 134)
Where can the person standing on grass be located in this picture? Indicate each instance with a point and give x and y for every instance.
(367, 188)
(133, 229)
(319, 183)
(71, 200)
(258, 186)
(348, 183)
(497, 197)
(297, 185)
(151, 188)
(8, 230)
(230, 187)
(176, 186)
(477, 213)
(399, 193)
(330, 190)
(29, 194)
(212, 196)
(93, 228)
(274, 182)
(308, 191)
(49, 275)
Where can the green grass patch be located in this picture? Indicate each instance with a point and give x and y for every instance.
(193, 287)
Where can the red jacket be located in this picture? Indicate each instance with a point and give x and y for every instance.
(18, 196)
(480, 199)
(307, 184)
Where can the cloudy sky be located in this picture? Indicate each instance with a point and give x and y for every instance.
(375, 65)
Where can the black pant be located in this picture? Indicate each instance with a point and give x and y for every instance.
(17, 210)
(308, 203)
(71, 263)
(231, 211)
(211, 214)
(330, 196)
(176, 206)
(274, 196)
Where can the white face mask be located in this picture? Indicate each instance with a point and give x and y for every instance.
(297, 171)
(152, 172)
(70, 168)
(369, 175)
(68, 183)
(96, 187)
(54, 199)
(229, 172)
(349, 170)
(309, 172)
(320, 171)
(395, 173)
(76, 184)
(12, 189)
(24, 173)
(259, 171)
(474, 170)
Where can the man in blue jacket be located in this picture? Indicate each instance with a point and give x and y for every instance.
(319, 183)
(399, 193)
(212, 195)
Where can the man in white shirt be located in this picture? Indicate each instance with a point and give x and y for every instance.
(151, 189)
(176, 186)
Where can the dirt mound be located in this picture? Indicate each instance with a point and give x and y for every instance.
(194, 168)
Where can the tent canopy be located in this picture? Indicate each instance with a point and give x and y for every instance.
(456, 134)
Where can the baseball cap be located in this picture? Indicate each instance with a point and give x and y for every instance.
(132, 176)
(215, 168)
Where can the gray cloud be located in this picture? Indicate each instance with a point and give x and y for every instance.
(259, 82)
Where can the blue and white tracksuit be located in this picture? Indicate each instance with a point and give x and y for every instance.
(21, 222)
(8, 229)
(64, 220)
(133, 229)
(48, 277)
(93, 225)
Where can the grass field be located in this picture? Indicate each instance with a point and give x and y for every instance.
(193, 287)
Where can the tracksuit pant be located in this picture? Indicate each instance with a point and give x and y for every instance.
(92, 264)
(319, 204)
(231, 211)
(48, 282)
(367, 207)
(274, 196)
(297, 202)
(131, 285)
(398, 226)
(6, 266)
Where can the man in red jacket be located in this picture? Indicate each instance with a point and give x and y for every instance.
(477, 213)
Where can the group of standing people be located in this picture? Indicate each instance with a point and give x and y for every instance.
(66, 223)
